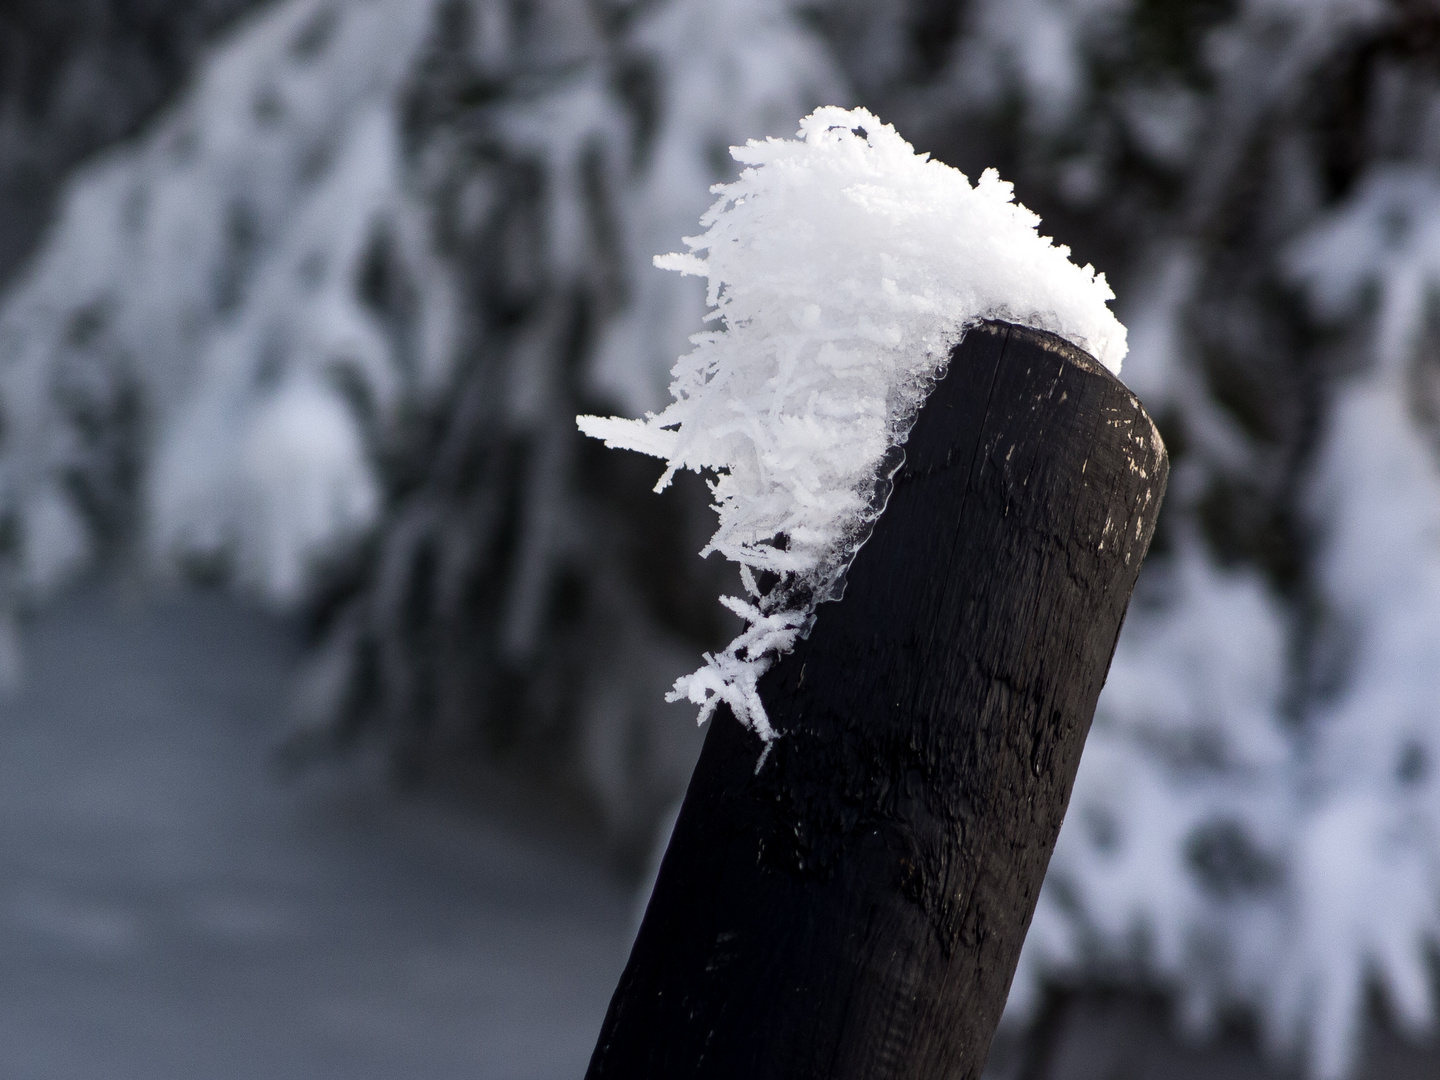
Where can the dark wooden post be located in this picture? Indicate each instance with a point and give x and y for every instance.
(856, 908)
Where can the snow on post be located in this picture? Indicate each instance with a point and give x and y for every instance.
(855, 908)
(843, 267)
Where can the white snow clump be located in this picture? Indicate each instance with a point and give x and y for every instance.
(843, 267)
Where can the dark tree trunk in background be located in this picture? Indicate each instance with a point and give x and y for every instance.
(856, 907)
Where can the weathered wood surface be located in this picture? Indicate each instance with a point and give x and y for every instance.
(855, 908)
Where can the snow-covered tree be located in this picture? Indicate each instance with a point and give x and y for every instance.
(522, 594)
(177, 355)
(323, 331)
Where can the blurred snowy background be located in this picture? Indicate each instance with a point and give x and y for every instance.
(298, 301)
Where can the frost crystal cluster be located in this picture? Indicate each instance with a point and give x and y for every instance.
(842, 269)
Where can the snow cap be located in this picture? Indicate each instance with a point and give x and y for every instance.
(843, 267)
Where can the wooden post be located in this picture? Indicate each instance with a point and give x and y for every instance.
(855, 908)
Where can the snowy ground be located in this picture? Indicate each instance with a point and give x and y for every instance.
(168, 909)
